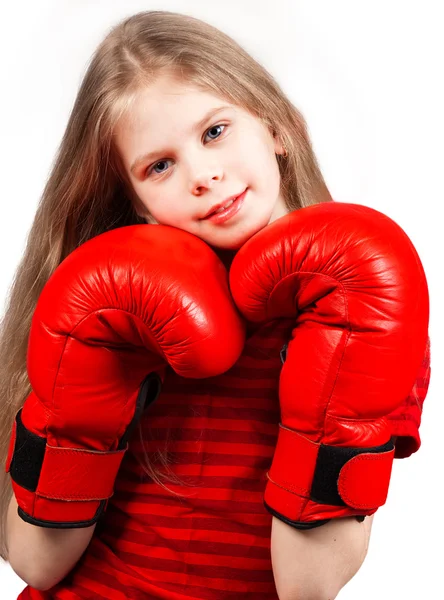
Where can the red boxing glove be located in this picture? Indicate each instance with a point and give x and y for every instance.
(405, 421)
(355, 285)
(109, 319)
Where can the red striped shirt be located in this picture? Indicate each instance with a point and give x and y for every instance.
(213, 541)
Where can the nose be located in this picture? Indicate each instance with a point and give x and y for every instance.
(205, 177)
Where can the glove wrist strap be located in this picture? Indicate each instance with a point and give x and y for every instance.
(56, 486)
(310, 481)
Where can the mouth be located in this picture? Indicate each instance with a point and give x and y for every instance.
(224, 212)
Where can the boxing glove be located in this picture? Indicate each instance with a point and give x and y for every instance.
(353, 281)
(113, 314)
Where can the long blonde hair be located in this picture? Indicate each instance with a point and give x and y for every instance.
(87, 192)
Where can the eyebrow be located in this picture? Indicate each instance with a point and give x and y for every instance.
(145, 157)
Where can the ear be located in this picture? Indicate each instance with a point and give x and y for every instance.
(143, 213)
(149, 219)
(279, 147)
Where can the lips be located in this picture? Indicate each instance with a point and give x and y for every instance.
(214, 208)
(225, 214)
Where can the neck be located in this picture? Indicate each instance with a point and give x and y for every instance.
(226, 256)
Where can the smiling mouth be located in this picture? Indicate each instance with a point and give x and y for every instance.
(223, 214)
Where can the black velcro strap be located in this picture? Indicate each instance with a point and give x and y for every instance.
(29, 453)
(329, 463)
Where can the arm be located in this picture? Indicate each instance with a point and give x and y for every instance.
(317, 563)
(41, 556)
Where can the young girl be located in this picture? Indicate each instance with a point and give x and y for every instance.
(172, 120)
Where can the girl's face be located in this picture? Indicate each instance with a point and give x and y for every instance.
(183, 161)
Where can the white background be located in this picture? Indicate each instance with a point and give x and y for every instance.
(367, 76)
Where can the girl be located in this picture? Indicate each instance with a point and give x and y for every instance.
(172, 120)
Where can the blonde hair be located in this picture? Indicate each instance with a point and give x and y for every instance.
(88, 193)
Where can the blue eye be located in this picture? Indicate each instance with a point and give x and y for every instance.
(150, 169)
(215, 127)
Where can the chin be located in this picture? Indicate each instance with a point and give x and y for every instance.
(227, 246)
(240, 240)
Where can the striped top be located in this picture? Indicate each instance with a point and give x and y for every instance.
(211, 542)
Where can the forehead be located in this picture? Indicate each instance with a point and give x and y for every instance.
(170, 99)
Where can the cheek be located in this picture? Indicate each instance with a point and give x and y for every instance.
(267, 175)
(262, 159)
(167, 210)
